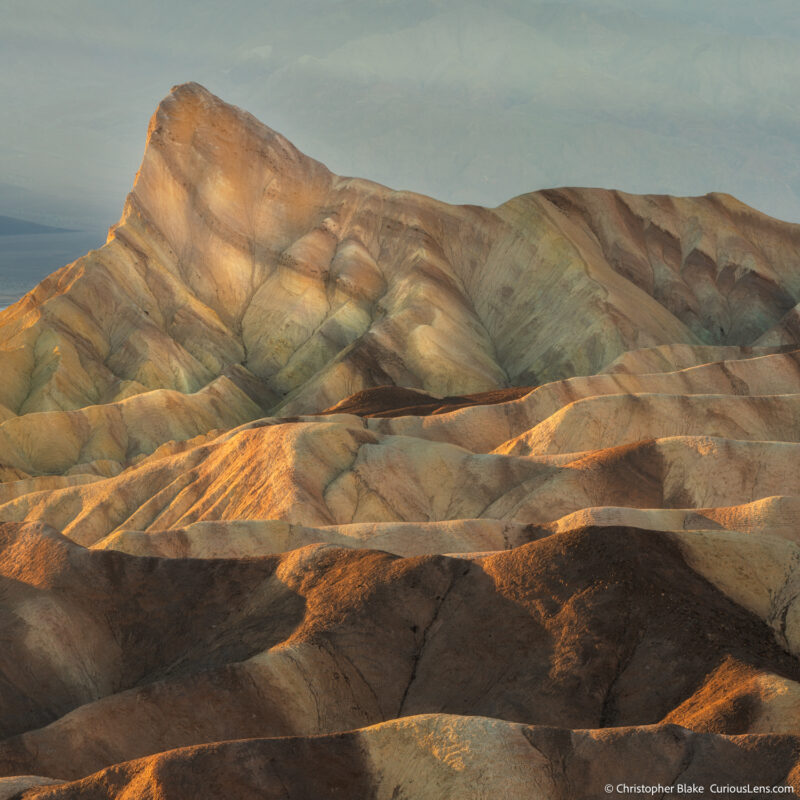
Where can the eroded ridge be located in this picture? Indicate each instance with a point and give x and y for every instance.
(308, 486)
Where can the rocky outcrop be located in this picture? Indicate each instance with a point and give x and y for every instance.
(479, 757)
(234, 248)
(310, 486)
(566, 631)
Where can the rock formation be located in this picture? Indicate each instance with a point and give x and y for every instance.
(312, 488)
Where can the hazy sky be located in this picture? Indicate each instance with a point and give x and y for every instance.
(467, 101)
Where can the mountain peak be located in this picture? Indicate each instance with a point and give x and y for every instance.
(236, 250)
(222, 163)
(443, 477)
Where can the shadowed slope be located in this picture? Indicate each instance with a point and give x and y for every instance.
(391, 401)
(569, 630)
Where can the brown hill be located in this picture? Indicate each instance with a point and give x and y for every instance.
(569, 630)
(483, 758)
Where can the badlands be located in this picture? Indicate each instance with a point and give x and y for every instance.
(311, 488)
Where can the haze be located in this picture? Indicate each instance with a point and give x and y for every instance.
(469, 102)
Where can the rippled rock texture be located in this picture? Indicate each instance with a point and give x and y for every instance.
(311, 488)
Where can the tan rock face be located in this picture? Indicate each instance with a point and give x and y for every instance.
(236, 248)
(309, 486)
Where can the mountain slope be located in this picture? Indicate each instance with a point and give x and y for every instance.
(482, 758)
(321, 286)
(325, 639)
(305, 481)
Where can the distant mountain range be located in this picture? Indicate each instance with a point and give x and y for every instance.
(11, 226)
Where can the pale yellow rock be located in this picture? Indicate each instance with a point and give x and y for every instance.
(336, 473)
(602, 422)
(774, 516)
(57, 441)
(440, 755)
(779, 706)
(484, 428)
(247, 538)
(672, 357)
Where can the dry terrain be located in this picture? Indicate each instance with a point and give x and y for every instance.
(310, 488)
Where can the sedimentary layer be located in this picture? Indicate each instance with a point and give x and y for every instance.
(308, 485)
